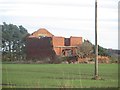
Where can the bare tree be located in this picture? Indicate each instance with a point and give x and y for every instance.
(86, 49)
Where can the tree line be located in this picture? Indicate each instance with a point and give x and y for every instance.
(13, 42)
(88, 49)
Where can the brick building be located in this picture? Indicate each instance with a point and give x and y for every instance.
(42, 44)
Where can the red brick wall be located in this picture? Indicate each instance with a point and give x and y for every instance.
(74, 41)
(43, 32)
(58, 51)
(39, 47)
(57, 41)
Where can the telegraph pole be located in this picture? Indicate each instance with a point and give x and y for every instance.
(96, 44)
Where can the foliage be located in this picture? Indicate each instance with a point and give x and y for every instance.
(85, 49)
(13, 42)
(102, 51)
(114, 58)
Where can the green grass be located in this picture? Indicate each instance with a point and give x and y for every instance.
(58, 75)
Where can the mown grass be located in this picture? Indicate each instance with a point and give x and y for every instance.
(58, 76)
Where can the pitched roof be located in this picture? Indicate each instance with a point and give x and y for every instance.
(41, 32)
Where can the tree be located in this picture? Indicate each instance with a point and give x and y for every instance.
(85, 49)
(102, 51)
(13, 41)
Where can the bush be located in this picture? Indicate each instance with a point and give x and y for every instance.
(114, 59)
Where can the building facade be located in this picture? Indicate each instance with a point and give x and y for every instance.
(42, 44)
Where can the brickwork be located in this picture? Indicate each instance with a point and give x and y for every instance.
(101, 59)
(42, 43)
(41, 32)
(74, 41)
(57, 41)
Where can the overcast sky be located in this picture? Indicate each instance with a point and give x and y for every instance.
(65, 18)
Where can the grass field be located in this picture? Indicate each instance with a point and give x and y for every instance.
(58, 76)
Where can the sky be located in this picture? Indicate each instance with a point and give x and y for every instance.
(65, 18)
